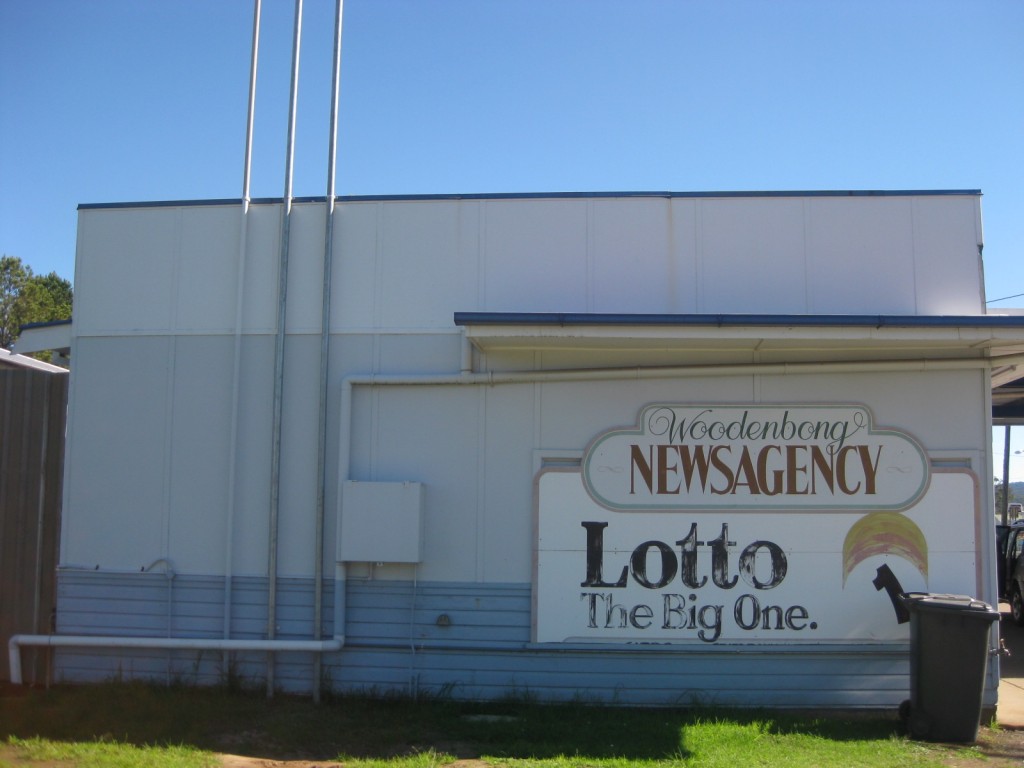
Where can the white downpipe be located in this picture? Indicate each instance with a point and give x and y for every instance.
(229, 525)
(16, 642)
(467, 354)
(282, 312)
(325, 347)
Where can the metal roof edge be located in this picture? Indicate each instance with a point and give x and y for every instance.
(665, 194)
(198, 203)
(875, 321)
(10, 360)
(537, 196)
(44, 324)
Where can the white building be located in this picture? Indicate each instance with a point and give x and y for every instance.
(645, 448)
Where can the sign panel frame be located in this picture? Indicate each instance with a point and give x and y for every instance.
(755, 457)
(675, 556)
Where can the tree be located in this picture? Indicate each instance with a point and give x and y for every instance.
(13, 276)
(29, 298)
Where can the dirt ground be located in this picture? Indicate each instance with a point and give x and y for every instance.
(999, 749)
(237, 761)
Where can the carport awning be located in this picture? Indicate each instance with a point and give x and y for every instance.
(1008, 403)
(626, 339)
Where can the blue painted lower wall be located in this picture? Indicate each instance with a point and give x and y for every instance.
(462, 640)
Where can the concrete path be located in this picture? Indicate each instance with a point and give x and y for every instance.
(1010, 710)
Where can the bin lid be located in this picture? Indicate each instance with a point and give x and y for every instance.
(930, 601)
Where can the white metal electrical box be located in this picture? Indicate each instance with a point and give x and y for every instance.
(381, 522)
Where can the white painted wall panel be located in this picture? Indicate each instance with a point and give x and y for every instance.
(429, 435)
(753, 255)
(306, 268)
(125, 270)
(684, 244)
(356, 246)
(207, 275)
(428, 263)
(263, 249)
(116, 483)
(506, 528)
(632, 265)
(352, 353)
(944, 410)
(947, 257)
(860, 255)
(417, 353)
(411, 264)
(252, 482)
(535, 256)
(200, 448)
(299, 435)
(573, 414)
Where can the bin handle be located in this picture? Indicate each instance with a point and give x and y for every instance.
(886, 579)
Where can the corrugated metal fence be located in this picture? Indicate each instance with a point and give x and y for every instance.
(33, 413)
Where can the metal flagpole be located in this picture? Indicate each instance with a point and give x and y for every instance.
(282, 301)
(325, 341)
(1006, 475)
(239, 301)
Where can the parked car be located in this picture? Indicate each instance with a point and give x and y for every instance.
(1014, 512)
(1010, 568)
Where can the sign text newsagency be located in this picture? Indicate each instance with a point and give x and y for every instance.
(685, 456)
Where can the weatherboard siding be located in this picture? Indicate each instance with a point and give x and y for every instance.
(395, 644)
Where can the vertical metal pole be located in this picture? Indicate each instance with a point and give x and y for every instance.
(250, 119)
(37, 597)
(282, 303)
(325, 343)
(229, 536)
(1006, 474)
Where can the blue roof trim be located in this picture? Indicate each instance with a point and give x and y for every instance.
(46, 324)
(665, 194)
(734, 320)
(534, 196)
(198, 203)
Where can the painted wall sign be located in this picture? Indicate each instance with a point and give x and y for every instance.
(716, 576)
(755, 457)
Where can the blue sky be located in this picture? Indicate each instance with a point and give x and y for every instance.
(126, 100)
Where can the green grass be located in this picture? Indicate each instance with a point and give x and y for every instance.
(109, 754)
(137, 725)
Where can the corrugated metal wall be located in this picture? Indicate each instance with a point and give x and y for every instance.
(33, 409)
(396, 643)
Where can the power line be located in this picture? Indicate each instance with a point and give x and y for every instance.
(1015, 296)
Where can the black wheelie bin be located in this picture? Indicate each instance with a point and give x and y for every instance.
(949, 650)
